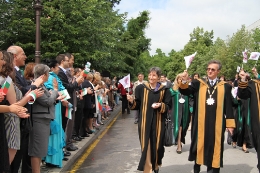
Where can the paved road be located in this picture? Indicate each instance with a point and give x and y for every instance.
(118, 151)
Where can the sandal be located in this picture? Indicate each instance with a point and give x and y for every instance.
(245, 150)
(178, 151)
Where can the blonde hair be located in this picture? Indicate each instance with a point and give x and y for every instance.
(176, 85)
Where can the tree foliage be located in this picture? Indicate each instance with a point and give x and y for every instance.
(92, 30)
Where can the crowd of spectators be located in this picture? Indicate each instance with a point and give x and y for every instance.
(39, 123)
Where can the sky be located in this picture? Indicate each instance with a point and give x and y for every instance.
(172, 21)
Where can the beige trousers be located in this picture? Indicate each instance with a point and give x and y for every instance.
(148, 168)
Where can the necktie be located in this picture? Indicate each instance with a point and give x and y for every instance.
(211, 83)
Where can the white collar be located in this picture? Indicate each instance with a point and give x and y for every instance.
(214, 80)
(64, 70)
(17, 68)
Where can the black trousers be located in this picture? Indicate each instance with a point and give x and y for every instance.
(125, 104)
(22, 155)
(64, 119)
(78, 120)
(196, 169)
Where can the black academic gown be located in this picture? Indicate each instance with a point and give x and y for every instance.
(209, 122)
(242, 132)
(251, 90)
(151, 123)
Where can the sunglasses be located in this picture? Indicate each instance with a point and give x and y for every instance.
(211, 69)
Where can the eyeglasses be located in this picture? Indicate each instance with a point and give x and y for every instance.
(211, 69)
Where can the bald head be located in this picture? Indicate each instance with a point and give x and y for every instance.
(19, 55)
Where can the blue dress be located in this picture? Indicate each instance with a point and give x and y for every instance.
(57, 137)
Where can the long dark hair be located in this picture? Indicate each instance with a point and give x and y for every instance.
(8, 67)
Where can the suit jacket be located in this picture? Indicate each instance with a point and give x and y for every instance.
(22, 83)
(44, 106)
(69, 86)
(89, 99)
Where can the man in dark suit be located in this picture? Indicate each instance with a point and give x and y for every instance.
(25, 125)
(63, 62)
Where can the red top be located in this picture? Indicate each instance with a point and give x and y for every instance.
(123, 90)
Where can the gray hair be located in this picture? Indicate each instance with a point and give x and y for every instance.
(13, 49)
(215, 62)
(155, 69)
(40, 69)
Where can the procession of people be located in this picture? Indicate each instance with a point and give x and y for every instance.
(217, 106)
(50, 105)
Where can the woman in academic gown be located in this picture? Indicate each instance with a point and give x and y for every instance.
(180, 114)
(153, 101)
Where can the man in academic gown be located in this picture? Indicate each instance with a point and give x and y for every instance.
(212, 115)
(251, 89)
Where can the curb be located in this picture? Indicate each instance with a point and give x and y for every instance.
(81, 150)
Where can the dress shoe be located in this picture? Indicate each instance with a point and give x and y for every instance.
(86, 135)
(66, 153)
(72, 148)
(65, 159)
(81, 137)
(49, 165)
(101, 123)
(89, 132)
(156, 171)
(76, 138)
(136, 122)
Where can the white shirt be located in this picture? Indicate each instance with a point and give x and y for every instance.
(63, 69)
(17, 68)
(214, 81)
(138, 82)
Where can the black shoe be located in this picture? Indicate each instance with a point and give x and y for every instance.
(66, 153)
(49, 165)
(72, 148)
(80, 137)
(156, 171)
(136, 122)
(65, 159)
(77, 138)
(89, 132)
(86, 135)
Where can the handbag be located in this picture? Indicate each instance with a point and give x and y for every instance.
(229, 138)
(168, 138)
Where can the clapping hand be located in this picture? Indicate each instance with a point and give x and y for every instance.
(61, 96)
(39, 81)
(55, 84)
(90, 91)
(19, 110)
